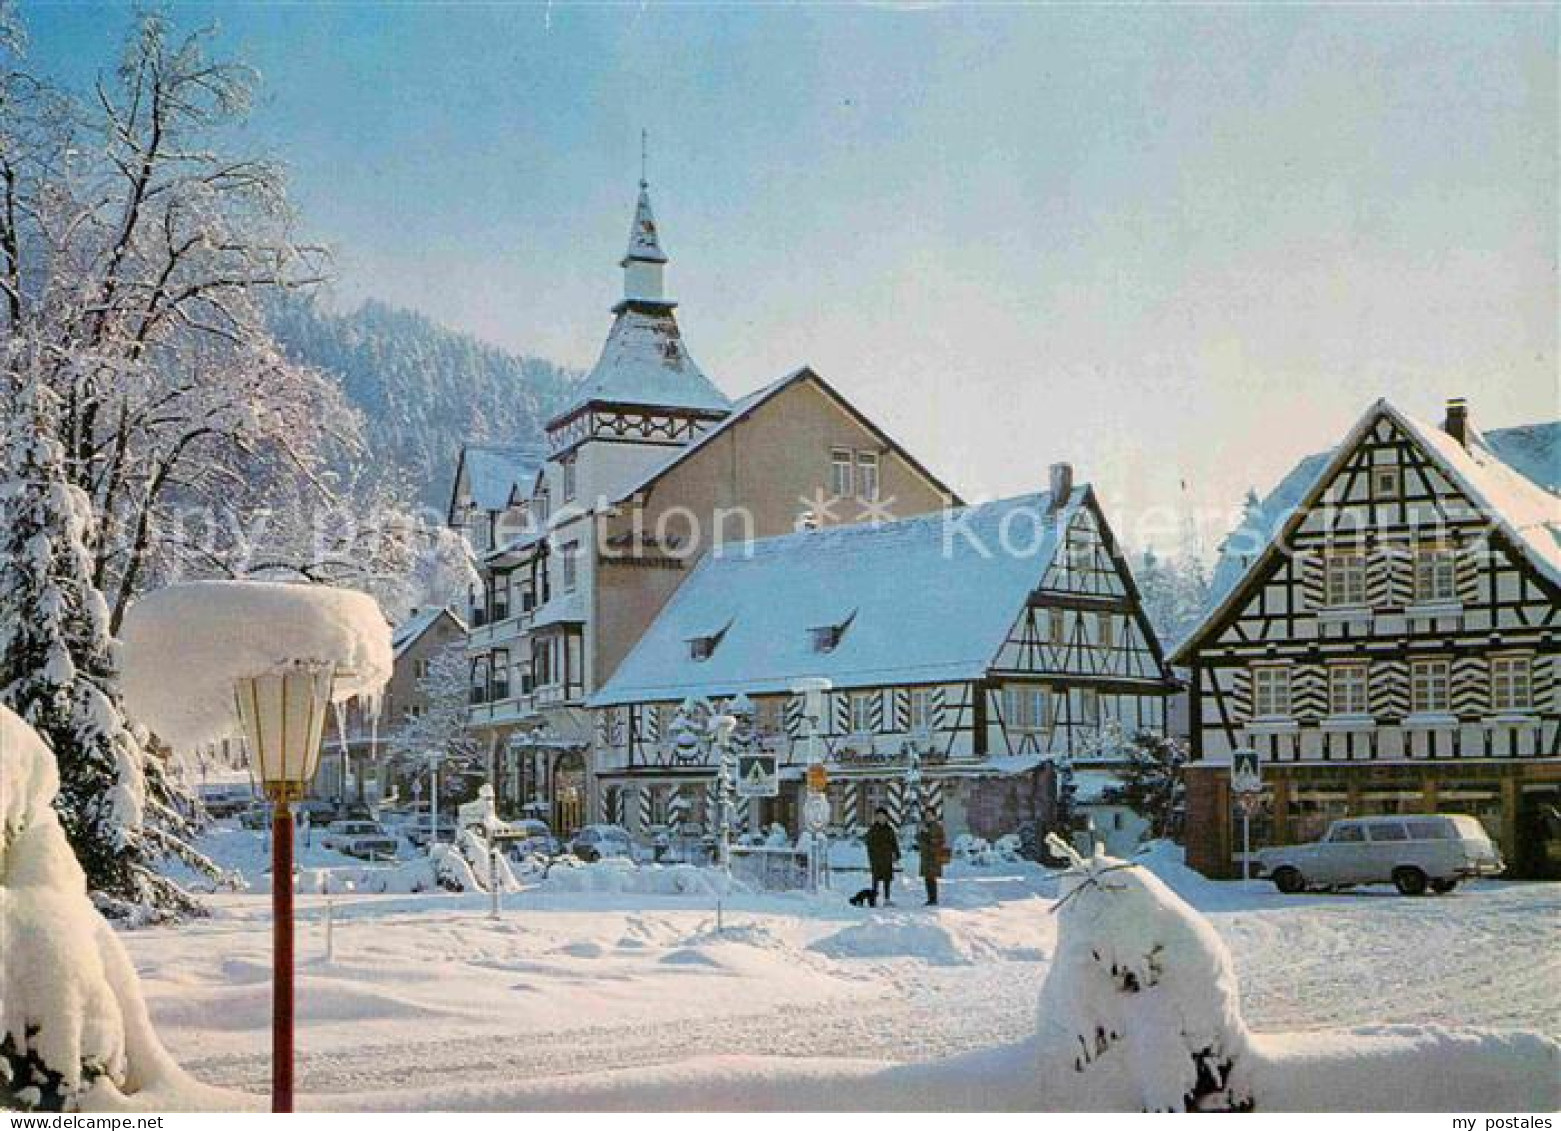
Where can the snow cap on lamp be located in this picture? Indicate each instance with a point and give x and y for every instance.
(187, 646)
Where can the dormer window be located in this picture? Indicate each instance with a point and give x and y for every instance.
(701, 647)
(826, 638)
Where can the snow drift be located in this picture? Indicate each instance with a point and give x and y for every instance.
(185, 645)
(74, 1031)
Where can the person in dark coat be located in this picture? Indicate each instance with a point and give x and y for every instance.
(931, 845)
(883, 851)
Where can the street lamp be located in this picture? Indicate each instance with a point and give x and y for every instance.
(282, 714)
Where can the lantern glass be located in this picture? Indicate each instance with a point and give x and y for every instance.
(283, 716)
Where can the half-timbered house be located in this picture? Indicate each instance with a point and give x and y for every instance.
(1388, 641)
(980, 643)
(645, 468)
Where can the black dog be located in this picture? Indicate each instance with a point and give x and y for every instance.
(867, 897)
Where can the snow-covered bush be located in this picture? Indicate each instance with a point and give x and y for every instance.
(617, 876)
(74, 1030)
(1140, 1009)
(977, 850)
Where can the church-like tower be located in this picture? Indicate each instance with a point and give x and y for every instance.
(645, 389)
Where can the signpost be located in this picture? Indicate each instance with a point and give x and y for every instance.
(757, 776)
(1246, 783)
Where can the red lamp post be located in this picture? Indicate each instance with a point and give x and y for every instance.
(283, 715)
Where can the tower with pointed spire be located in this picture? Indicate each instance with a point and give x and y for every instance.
(645, 390)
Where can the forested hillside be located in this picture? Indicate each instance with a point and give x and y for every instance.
(423, 389)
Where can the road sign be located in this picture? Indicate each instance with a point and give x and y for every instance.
(818, 778)
(1246, 772)
(757, 776)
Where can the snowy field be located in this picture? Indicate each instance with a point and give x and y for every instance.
(430, 1003)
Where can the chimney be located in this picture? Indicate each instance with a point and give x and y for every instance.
(1061, 484)
(1456, 423)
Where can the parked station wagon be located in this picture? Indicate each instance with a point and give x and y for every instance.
(1412, 852)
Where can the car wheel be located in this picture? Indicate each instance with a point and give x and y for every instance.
(1442, 887)
(1409, 881)
(1289, 881)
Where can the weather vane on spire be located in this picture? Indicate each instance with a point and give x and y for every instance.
(644, 147)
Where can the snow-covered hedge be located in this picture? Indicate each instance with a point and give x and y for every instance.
(74, 1030)
(617, 876)
(982, 853)
(1141, 1010)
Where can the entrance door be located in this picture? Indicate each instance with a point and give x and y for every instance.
(568, 794)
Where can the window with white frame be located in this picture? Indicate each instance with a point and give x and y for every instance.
(1056, 626)
(1344, 580)
(1436, 574)
(1024, 708)
(1430, 684)
(570, 556)
(1511, 683)
(862, 712)
(1270, 692)
(569, 477)
(840, 478)
(1348, 689)
(921, 709)
(867, 476)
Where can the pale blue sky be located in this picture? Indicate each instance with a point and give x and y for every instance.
(1169, 244)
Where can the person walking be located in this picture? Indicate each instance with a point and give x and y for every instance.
(931, 846)
(883, 852)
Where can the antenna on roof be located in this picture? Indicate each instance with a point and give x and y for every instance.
(644, 155)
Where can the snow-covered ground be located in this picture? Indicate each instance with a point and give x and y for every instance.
(429, 1002)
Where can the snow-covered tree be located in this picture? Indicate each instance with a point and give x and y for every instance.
(1175, 593)
(136, 249)
(1152, 784)
(442, 725)
(58, 669)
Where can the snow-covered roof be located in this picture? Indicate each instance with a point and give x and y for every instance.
(411, 630)
(493, 471)
(923, 600)
(1513, 474)
(644, 240)
(644, 362)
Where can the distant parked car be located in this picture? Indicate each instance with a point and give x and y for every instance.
(420, 829)
(1412, 852)
(597, 841)
(318, 810)
(228, 799)
(364, 839)
(532, 838)
(257, 816)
